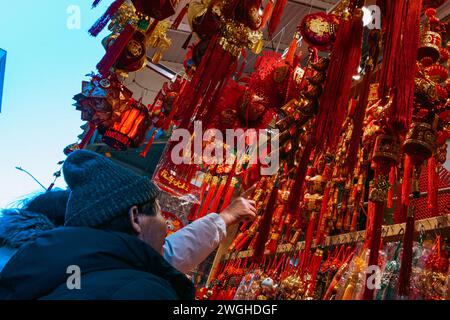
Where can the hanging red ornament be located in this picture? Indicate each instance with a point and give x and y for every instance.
(130, 130)
(268, 10)
(115, 50)
(264, 227)
(319, 30)
(276, 16)
(345, 59)
(433, 183)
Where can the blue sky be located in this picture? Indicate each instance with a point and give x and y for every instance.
(45, 65)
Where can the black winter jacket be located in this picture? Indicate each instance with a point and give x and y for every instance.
(113, 265)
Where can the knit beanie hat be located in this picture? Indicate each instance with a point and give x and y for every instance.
(101, 189)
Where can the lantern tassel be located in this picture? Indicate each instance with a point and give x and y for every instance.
(392, 179)
(360, 112)
(308, 240)
(87, 137)
(344, 63)
(275, 18)
(406, 185)
(433, 183)
(375, 238)
(406, 59)
(289, 59)
(144, 153)
(297, 189)
(268, 10)
(264, 226)
(406, 264)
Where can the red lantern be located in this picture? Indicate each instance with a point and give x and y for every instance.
(319, 30)
(129, 130)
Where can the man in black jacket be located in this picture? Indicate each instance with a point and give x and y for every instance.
(110, 247)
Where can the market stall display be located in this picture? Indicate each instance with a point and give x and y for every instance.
(356, 155)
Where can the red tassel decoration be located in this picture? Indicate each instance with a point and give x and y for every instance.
(219, 195)
(308, 240)
(276, 16)
(206, 181)
(114, 51)
(398, 214)
(176, 23)
(296, 193)
(242, 244)
(144, 153)
(360, 112)
(344, 62)
(375, 238)
(87, 137)
(406, 58)
(289, 59)
(406, 264)
(276, 229)
(264, 226)
(209, 197)
(103, 20)
(229, 194)
(392, 179)
(433, 183)
(323, 211)
(268, 10)
(406, 185)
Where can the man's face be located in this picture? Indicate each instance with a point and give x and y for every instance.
(153, 229)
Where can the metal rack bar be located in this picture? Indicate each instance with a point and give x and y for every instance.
(389, 231)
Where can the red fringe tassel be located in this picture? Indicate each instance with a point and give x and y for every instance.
(433, 184)
(345, 59)
(392, 179)
(264, 226)
(296, 192)
(406, 264)
(406, 185)
(144, 153)
(276, 16)
(268, 10)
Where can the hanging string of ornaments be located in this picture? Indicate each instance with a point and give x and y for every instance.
(342, 143)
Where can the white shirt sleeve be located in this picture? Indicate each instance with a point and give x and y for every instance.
(188, 247)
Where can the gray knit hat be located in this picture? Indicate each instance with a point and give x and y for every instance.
(101, 189)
